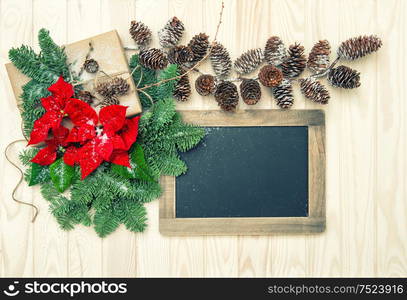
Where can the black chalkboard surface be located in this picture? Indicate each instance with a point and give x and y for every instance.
(246, 172)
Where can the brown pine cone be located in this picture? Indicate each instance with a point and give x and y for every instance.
(275, 52)
(249, 61)
(250, 91)
(85, 96)
(172, 32)
(182, 89)
(344, 77)
(314, 90)
(205, 84)
(140, 33)
(359, 46)
(220, 59)
(91, 65)
(153, 59)
(295, 63)
(318, 59)
(120, 86)
(283, 93)
(227, 96)
(270, 76)
(199, 45)
(105, 89)
(180, 55)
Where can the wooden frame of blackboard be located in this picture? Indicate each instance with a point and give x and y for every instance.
(313, 223)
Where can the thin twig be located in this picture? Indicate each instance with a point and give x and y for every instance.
(197, 64)
(13, 194)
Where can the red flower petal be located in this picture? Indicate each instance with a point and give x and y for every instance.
(89, 158)
(129, 132)
(61, 89)
(104, 146)
(53, 103)
(112, 117)
(120, 157)
(60, 135)
(118, 142)
(81, 134)
(50, 119)
(81, 113)
(45, 156)
(71, 156)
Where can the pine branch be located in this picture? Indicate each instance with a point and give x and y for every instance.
(105, 221)
(132, 214)
(29, 63)
(142, 77)
(26, 155)
(165, 90)
(53, 55)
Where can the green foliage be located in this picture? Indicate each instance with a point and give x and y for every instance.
(27, 155)
(37, 174)
(139, 168)
(162, 134)
(31, 65)
(44, 69)
(52, 55)
(105, 221)
(61, 174)
(132, 214)
(143, 77)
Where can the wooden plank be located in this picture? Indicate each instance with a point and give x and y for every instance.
(357, 156)
(391, 176)
(260, 117)
(153, 250)
(15, 219)
(221, 253)
(85, 247)
(118, 15)
(324, 251)
(50, 241)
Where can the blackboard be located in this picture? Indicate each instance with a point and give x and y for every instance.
(257, 172)
(246, 172)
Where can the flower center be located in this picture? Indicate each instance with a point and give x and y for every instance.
(99, 130)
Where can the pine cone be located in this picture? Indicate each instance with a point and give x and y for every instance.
(153, 59)
(220, 59)
(249, 61)
(283, 93)
(295, 63)
(344, 77)
(91, 65)
(113, 100)
(318, 59)
(182, 89)
(120, 86)
(199, 45)
(358, 47)
(86, 96)
(140, 33)
(180, 55)
(250, 91)
(275, 52)
(227, 96)
(205, 85)
(314, 90)
(170, 35)
(270, 76)
(105, 89)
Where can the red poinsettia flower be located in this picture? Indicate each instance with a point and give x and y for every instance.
(57, 106)
(109, 141)
(48, 155)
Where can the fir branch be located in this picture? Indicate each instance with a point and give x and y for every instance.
(142, 77)
(132, 214)
(30, 64)
(53, 55)
(105, 221)
(26, 155)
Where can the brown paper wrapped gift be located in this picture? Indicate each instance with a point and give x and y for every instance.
(108, 52)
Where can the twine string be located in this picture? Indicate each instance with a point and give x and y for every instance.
(13, 194)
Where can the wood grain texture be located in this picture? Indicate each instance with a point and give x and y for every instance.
(366, 146)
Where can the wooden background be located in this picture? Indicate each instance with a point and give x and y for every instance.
(366, 147)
